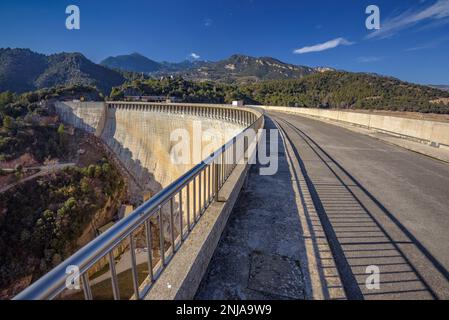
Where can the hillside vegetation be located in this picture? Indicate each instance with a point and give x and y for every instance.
(329, 89)
(262, 80)
(27, 125)
(188, 91)
(23, 70)
(42, 219)
(240, 69)
(348, 90)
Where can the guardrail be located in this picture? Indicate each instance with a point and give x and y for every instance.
(216, 111)
(183, 202)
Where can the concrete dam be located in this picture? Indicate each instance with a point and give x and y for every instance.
(140, 136)
(181, 203)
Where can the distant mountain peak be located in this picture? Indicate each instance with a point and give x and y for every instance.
(24, 70)
(238, 67)
(443, 87)
(134, 62)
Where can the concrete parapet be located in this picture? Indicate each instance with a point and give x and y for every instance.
(431, 132)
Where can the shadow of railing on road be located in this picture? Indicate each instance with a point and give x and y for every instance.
(357, 238)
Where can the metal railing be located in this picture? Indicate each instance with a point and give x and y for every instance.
(163, 223)
(216, 111)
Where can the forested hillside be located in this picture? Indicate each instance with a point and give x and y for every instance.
(329, 89)
(348, 90)
(42, 218)
(23, 70)
(188, 91)
(22, 117)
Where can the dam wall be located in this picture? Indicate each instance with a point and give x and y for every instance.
(142, 140)
(139, 134)
(87, 116)
(426, 131)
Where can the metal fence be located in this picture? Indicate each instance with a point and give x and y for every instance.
(213, 111)
(162, 224)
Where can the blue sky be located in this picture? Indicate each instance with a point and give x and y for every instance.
(413, 43)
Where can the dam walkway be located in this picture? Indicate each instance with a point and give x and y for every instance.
(342, 208)
(259, 254)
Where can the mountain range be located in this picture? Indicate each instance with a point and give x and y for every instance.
(441, 87)
(237, 68)
(23, 70)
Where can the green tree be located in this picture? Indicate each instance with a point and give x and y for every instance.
(62, 136)
(8, 123)
(61, 130)
(6, 98)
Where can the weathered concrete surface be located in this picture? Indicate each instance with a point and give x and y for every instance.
(347, 202)
(271, 247)
(87, 116)
(141, 139)
(380, 205)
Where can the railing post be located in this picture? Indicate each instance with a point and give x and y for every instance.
(114, 280)
(86, 287)
(189, 227)
(181, 227)
(149, 249)
(134, 272)
(216, 177)
(194, 200)
(200, 203)
(172, 227)
(161, 236)
(204, 189)
(209, 183)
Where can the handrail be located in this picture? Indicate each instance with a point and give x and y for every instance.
(212, 172)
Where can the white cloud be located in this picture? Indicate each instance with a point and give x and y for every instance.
(194, 55)
(208, 22)
(368, 59)
(438, 11)
(324, 46)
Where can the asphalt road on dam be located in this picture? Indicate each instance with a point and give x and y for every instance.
(391, 198)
